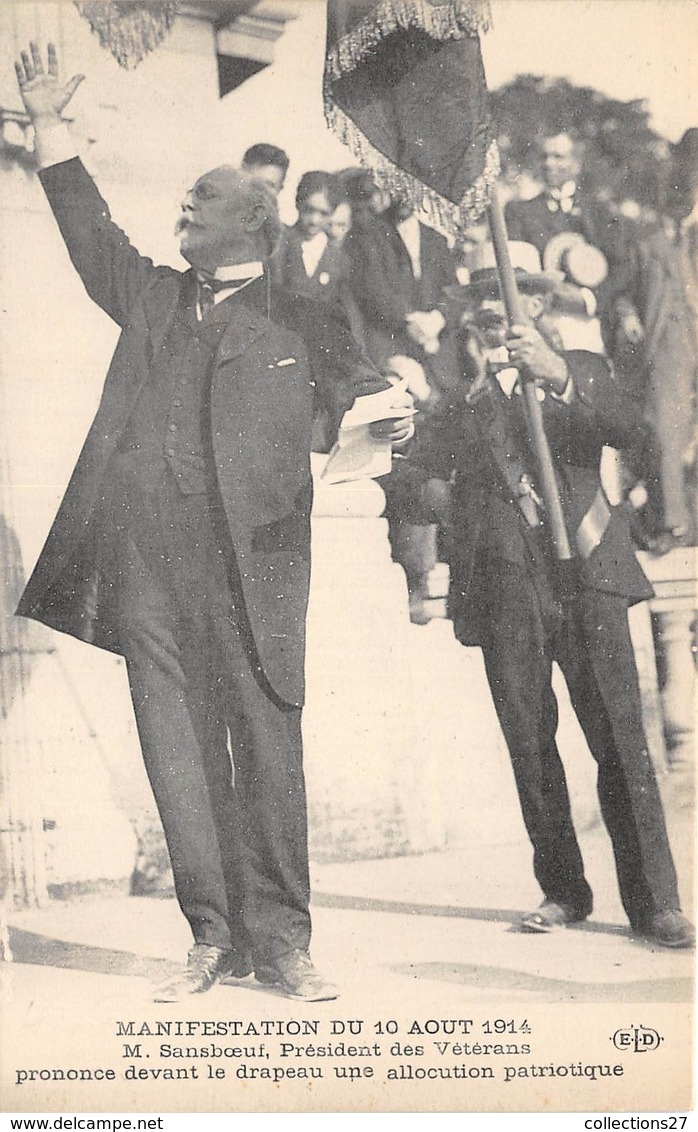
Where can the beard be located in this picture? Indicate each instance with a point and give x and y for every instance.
(490, 328)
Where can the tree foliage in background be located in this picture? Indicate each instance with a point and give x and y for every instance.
(625, 161)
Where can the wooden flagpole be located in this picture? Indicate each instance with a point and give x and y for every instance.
(512, 304)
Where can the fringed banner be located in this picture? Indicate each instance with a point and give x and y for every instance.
(405, 90)
(130, 29)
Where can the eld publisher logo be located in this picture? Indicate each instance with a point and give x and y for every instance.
(637, 1039)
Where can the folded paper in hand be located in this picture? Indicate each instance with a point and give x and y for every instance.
(357, 454)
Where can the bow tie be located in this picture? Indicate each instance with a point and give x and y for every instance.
(213, 286)
(209, 288)
(560, 201)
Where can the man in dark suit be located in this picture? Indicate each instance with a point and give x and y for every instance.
(505, 596)
(305, 263)
(564, 209)
(183, 541)
(666, 294)
(399, 269)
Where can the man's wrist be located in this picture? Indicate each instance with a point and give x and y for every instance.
(47, 118)
(52, 141)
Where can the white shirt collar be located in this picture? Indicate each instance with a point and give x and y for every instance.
(235, 271)
(410, 234)
(239, 275)
(312, 251)
(565, 191)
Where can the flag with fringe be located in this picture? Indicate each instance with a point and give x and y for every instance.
(404, 89)
(130, 29)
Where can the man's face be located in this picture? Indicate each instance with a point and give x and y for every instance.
(272, 176)
(559, 160)
(490, 319)
(313, 214)
(400, 209)
(211, 223)
(339, 224)
(490, 322)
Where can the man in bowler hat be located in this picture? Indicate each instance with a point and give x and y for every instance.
(505, 595)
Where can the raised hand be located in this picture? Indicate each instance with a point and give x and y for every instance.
(44, 96)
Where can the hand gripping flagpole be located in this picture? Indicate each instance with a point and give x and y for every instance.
(539, 440)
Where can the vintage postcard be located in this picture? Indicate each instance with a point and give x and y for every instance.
(501, 919)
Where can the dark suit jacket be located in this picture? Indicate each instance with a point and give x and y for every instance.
(261, 417)
(328, 280)
(385, 290)
(600, 413)
(665, 369)
(534, 223)
(662, 299)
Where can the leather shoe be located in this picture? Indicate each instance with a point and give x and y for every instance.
(550, 917)
(669, 929)
(295, 975)
(206, 965)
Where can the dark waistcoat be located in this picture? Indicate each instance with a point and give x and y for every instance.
(168, 425)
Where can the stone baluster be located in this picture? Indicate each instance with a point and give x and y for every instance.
(673, 576)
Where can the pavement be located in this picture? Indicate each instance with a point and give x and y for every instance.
(383, 925)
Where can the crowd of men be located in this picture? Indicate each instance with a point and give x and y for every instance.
(611, 344)
(626, 293)
(183, 540)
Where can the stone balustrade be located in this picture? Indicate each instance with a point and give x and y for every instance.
(403, 749)
(674, 577)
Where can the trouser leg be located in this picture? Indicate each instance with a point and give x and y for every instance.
(180, 718)
(270, 834)
(270, 790)
(184, 744)
(598, 661)
(518, 662)
(412, 537)
(237, 837)
(414, 548)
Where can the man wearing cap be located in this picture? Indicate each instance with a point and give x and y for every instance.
(505, 597)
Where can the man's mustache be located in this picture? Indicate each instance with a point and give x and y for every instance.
(183, 221)
(488, 320)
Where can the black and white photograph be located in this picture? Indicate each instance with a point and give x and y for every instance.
(348, 527)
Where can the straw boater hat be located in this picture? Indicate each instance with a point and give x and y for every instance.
(571, 255)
